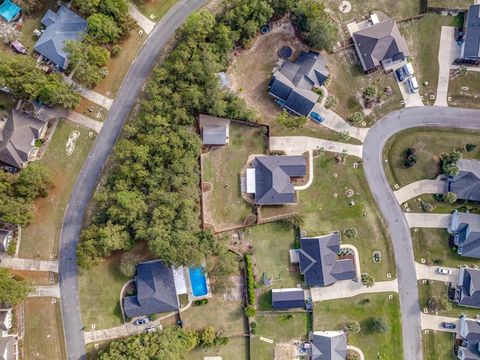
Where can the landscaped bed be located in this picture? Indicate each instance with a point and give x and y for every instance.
(40, 239)
(469, 96)
(438, 345)
(329, 315)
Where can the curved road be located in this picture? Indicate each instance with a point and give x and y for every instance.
(92, 168)
(391, 211)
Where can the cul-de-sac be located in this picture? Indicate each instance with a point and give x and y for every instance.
(240, 180)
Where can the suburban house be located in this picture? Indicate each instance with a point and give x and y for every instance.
(156, 291)
(466, 185)
(60, 27)
(288, 298)
(6, 318)
(467, 292)
(468, 339)
(379, 45)
(293, 84)
(328, 345)
(466, 235)
(471, 45)
(17, 138)
(9, 11)
(8, 348)
(270, 178)
(5, 237)
(319, 263)
(215, 130)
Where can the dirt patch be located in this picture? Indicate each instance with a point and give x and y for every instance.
(285, 351)
(251, 69)
(36, 278)
(235, 293)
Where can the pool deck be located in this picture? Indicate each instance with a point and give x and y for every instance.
(192, 297)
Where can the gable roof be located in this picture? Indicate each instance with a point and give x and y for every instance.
(156, 291)
(7, 348)
(62, 26)
(288, 298)
(294, 81)
(378, 43)
(466, 185)
(471, 46)
(470, 332)
(18, 136)
(329, 345)
(272, 178)
(469, 288)
(318, 261)
(214, 134)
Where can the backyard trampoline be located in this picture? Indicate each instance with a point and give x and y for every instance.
(285, 52)
(9, 10)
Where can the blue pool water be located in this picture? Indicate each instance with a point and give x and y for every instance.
(198, 281)
(9, 10)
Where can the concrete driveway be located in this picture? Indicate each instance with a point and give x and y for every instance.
(297, 145)
(421, 220)
(448, 51)
(28, 264)
(347, 289)
(410, 98)
(420, 187)
(431, 273)
(45, 291)
(434, 322)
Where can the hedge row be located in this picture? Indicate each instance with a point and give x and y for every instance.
(250, 280)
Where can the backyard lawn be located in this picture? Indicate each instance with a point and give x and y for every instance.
(423, 39)
(439, 290)
(224, 206)
(154, 9)
(393, 8)
(237, 348)
(462, 97)
(438, 346)
(329, 315)
(40, 239)
(43, 330)
(429, 145)
(451, 4)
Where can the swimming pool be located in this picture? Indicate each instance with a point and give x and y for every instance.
(198, 281)
(9, 10)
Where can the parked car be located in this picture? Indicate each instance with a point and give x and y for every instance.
(400, 74)
(447, 325)
(142, 321)
(316, 117)
(444, 271)
(151, 329)
(413, 84)
(408, 69)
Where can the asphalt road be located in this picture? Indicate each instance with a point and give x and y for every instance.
(392, 214)
(92, 168)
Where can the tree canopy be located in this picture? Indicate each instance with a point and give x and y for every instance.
(12, 290)
(103, 29)
(87, 61)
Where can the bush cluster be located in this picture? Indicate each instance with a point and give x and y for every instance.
(250, 280)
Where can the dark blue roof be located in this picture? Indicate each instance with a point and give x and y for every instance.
(470, 288)
(471, 47)
(156, 291)
(279, 89)
(466, 185)
(288, 298)
(299, 104)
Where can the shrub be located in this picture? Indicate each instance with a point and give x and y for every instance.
(331, 102)
(367, 280)
(250, 280)
(351, 327)
(116, 50)
(470, 147)
(370, 91)
(427, 207)
(410, 157)
(450, 197)
(356, 118)
(379, 325)
(250, 311)
(290, 122)
(152, 317)
(351, 233)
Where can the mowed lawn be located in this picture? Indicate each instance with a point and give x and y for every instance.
(236, 349)
(439, 290)
(221, 167)
(43, 330)
(393, 8)
(157, 8)
(468, 97)
(329, 315)
(40, 239)
(423, 40)
(429, 145)
(438, 346)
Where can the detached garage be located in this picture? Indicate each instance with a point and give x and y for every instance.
(289, 298)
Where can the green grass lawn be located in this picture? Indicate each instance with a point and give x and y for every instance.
(329, 315)
(236, 349)
(451, 4)
(465, 98)
(43, 330)
(395, 9)
(40, 239)
(429, 145)
(442, 207)
(157, 8)
(438, 346)
(439, 290)
(224, 205)
(423, 39)
(279, 328)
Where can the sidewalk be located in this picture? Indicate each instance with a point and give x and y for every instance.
(427, 220)
(29, 264)
(297, 145)
(146, 24)
(45, 291)
(420, 187)
(434, 322)
(431, 273)
(448, 51)
(347, 289)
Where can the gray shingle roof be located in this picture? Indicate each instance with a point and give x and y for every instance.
(466, 185)
(470, 333)
(156, 291)
(319, 263)
(62, 26)
(273, 174)
(214, 134)
(288, 298)
(468, 289)
(471, 46)
(329, 345)
(18, 136)
(293, 83)
(378, 43)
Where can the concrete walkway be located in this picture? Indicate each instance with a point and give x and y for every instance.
(310, 173)
(45, 291)
(357, 350)
(297, 145)
(434, 322)
(358, 270)
(422, 220)
(431, 273)
(448, 51)
(29, 264)
(347, 289)
(420, 187)
(146, 24)
(85, 121)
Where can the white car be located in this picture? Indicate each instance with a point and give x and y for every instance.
(444, 271)
(413, 84)
(408, 68)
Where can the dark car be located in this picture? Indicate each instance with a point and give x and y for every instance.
(400, 74)
(142, 321)
(447, 325)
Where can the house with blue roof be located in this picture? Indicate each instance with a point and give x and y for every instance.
(292, 86)
(465, 231)
(471, 46)
(60, 27)
(9, 11)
